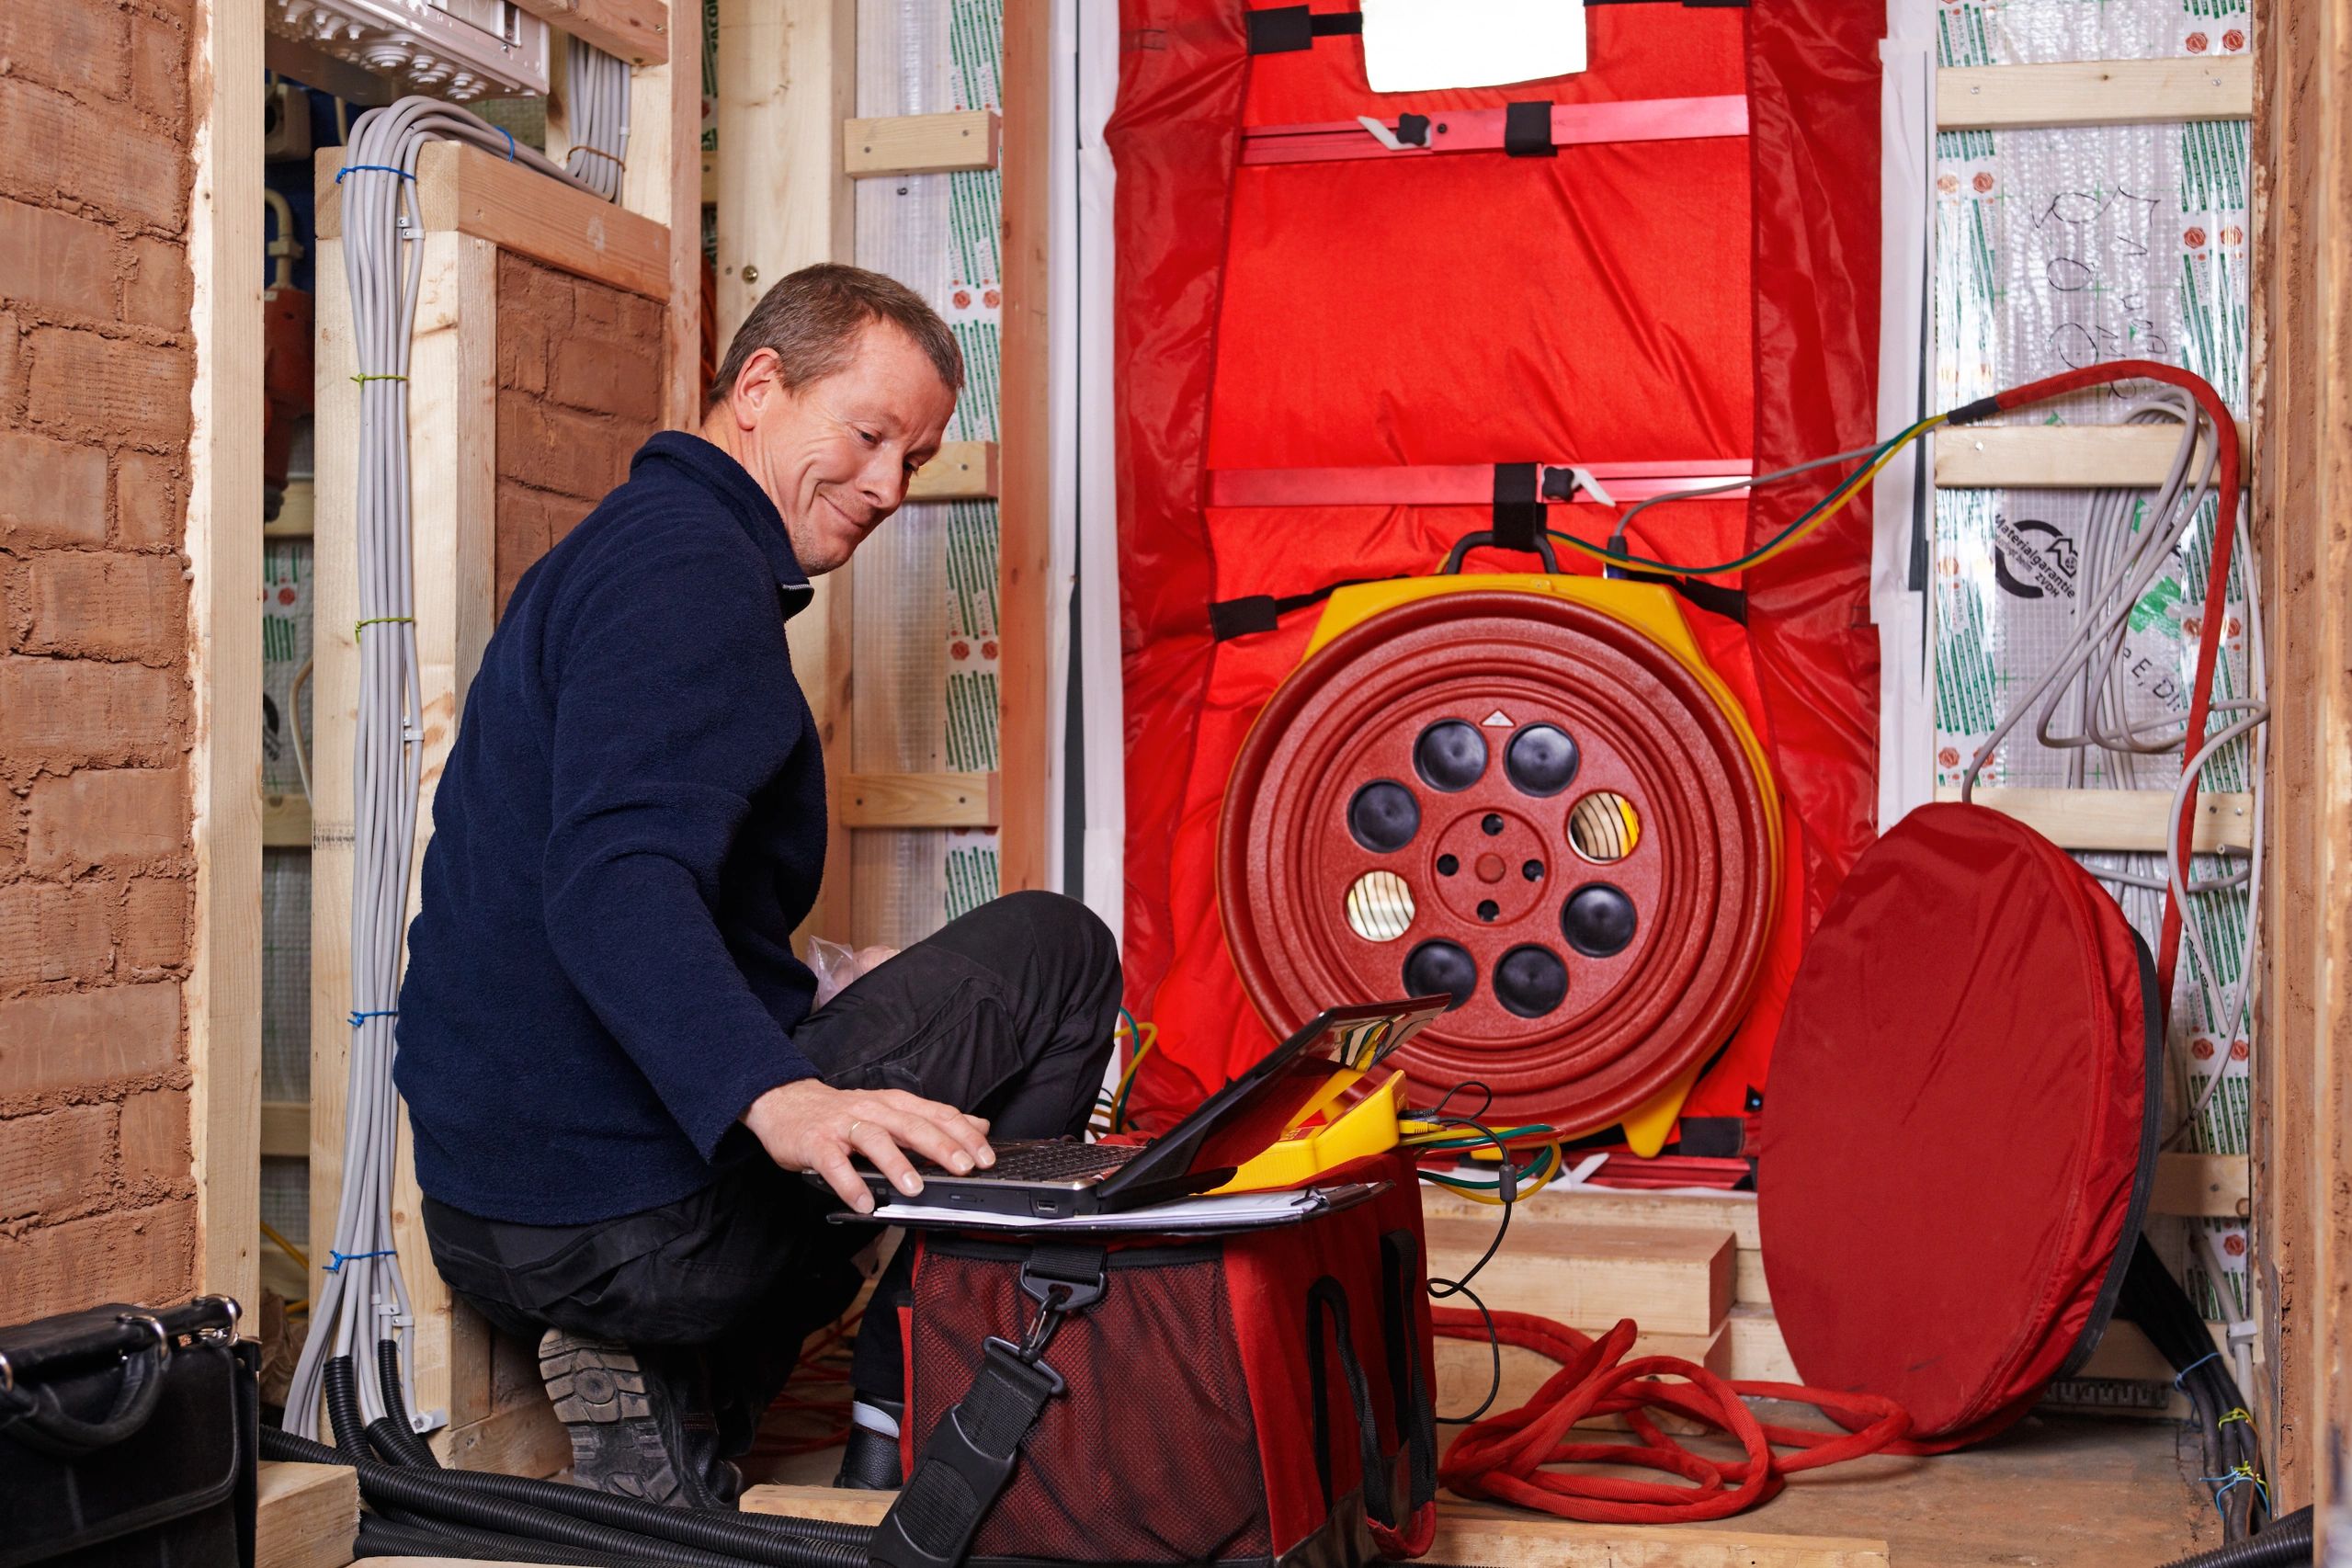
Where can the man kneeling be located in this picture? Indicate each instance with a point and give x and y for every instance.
(606, 1043)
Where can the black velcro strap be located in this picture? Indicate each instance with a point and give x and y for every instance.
(1286, 30)
(1326, 1296)
(1712, 597)
(1401, 1284)
(1527, 130)
(1518, 506)
(1229, 619)
(966, 1465)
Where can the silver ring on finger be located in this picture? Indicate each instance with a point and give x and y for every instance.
(854, 1126)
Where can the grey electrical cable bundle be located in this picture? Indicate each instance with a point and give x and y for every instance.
(2122, 550)
(364, 1299)
(597, 96)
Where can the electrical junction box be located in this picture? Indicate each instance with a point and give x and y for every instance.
(457, 49)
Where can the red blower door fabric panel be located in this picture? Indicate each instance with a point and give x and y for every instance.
(1609, 302)
(1953, 1147)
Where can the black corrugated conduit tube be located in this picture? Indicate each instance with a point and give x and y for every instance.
(400, 1440)
(2287, 1539)
(380, 1537)
(641, 1530)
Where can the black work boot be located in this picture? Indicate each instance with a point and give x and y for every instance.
(870, 1459)
(632, 1421)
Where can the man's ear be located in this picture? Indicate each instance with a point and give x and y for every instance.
(757, 384)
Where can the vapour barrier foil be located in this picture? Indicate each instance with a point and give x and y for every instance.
(2061, 248)
(924, 625)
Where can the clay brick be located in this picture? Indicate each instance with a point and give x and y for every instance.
(68, 710)
(51, 492)
(150, 506)
(522, 537)
(52, 146)
(641, 324)
(154, 1139)
(107, 606)
(105, 816)
(159, 71)
(157, 294)
(154, 926)
(86, 384)
(147, 1255)
(51, 933)
(607, 378)
(522, 353)
(12, 367)
(55, 1161)
(81, 1039)
(56, 261)
(83, 46)
(563, 515)
(596, 309)
(556, 449)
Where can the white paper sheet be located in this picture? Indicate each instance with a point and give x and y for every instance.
(1413, 46)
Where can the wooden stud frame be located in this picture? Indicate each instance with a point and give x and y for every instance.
(473, 205)
(2097, 92)
(2301, 387)
(223, 994)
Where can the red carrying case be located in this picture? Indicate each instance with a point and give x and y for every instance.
(1255, 1397)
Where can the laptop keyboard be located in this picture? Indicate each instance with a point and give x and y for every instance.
(1055, 1161)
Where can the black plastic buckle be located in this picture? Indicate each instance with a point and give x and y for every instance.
(1005, 1350)
(1059, 1295)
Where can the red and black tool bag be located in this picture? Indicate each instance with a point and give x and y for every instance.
(1258, 1397)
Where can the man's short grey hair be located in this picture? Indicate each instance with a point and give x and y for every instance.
(811, 319)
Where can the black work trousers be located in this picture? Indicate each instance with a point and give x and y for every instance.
(1006, 1012)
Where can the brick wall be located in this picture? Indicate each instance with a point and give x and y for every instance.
(97, 1202)
(579, 391)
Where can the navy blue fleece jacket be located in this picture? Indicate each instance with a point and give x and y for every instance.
(600, 975)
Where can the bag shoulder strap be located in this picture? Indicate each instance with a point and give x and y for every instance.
(968, 1462)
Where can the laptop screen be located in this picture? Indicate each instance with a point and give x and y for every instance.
(1250, 1112)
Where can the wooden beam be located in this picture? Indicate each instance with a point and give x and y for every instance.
(2211, 1187)
(964, 470)
(2060, 457)
(2124, 820)
(921, 799)
(462, 189)
(285, 821)
(294, 511)
(788, 73)
(524, 1438)
(307, 1516)
(285, 1130)
(223, 992)
(452, 431)
(1475, 1533)
(2094, 92)
(663, 184)
(1758, 1353)
(634, 30)
(2301, 330)
(922, 143)
(1025, 585)
(1668, 1281)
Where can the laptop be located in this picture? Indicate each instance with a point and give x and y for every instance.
(1053, 1178)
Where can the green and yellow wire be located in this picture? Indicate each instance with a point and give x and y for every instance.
(1818, 513)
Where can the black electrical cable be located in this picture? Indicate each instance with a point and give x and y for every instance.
(1506, 1192)
(2154, 1298)
(2288, 1539)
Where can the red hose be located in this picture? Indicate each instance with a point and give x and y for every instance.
(2209, 639)
(1505, 1456)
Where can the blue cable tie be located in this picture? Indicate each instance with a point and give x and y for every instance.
(358, 1019)
(510, 142)
(376, 168)
(340, 1258)
(2209, 1356)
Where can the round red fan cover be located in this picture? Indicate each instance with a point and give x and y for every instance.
(1958, 1128)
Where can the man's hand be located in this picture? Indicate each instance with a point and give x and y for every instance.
(809, 1126)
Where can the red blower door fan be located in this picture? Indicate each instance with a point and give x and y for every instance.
(1529, 792)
